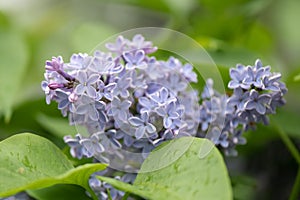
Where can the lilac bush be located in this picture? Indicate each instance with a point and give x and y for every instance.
(129, 100)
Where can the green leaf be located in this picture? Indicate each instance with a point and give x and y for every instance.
(28, 161)
(186, 168)
(59, 192)
(13, 62)
(243, 187)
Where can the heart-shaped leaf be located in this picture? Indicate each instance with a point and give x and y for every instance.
(186, 168)
(28, 161)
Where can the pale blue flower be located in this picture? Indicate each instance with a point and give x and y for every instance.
(76, 148)
(56, 64)
(110, 140)
(162, 97)
(119, 109)
(169, 112)
(119, 46)
(143, 126)
(135, 60)
(208, 90)
(205, 118)
(188, 73)
(258, 102)
(86, 84)
(122, 87)
(138, 42)
(239, 77)
(271, 82)
(175, 83)
(239, 99)
(92, 145)
(78, 62)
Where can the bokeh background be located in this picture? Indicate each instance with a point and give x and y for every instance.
(233, 31)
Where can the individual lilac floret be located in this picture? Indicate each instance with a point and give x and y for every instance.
(143, 125)
(170, 113)
(92, 145)
(86, 84)
(189, 74)
(119, 109)
(135, 60)
(161, 97)
(55, 64)
(78, 62)
(258, 102)
(119, 46)
(77, 150)
(239, 99)
(239, 77)
(138, 42)
(205, 118)
(122, 87)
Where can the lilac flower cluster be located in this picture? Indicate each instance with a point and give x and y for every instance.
(257, 92)
(125, 98)
(129, 100)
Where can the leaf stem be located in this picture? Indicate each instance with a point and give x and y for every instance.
(92, 193)
(295, 191)
(289, 144)
(295, 153)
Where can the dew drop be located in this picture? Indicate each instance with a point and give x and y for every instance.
(21, 170)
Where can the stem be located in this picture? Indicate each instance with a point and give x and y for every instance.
(292, 148)
(289, 144)
(296, 187)
(126, 195)
(92, 193)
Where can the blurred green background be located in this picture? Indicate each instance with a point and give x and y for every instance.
(233, 31)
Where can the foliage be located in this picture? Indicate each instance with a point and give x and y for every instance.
(158, 179)
(236, 31)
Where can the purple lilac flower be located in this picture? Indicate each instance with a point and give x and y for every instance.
(189, 74)
(161, 97)
(239, 99)
(110, 140)
(55, 64)
(135, 60)
(78, 62)
(138, 42)
(258, 102)
(119, 109)
(86, 106)
(170, 113)
(91, 145)
(143, 125)
(119, 46)
(175, 84)
(122, 87)
(131, 101)
(86, 84)
(77, 150)
(239, 78)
